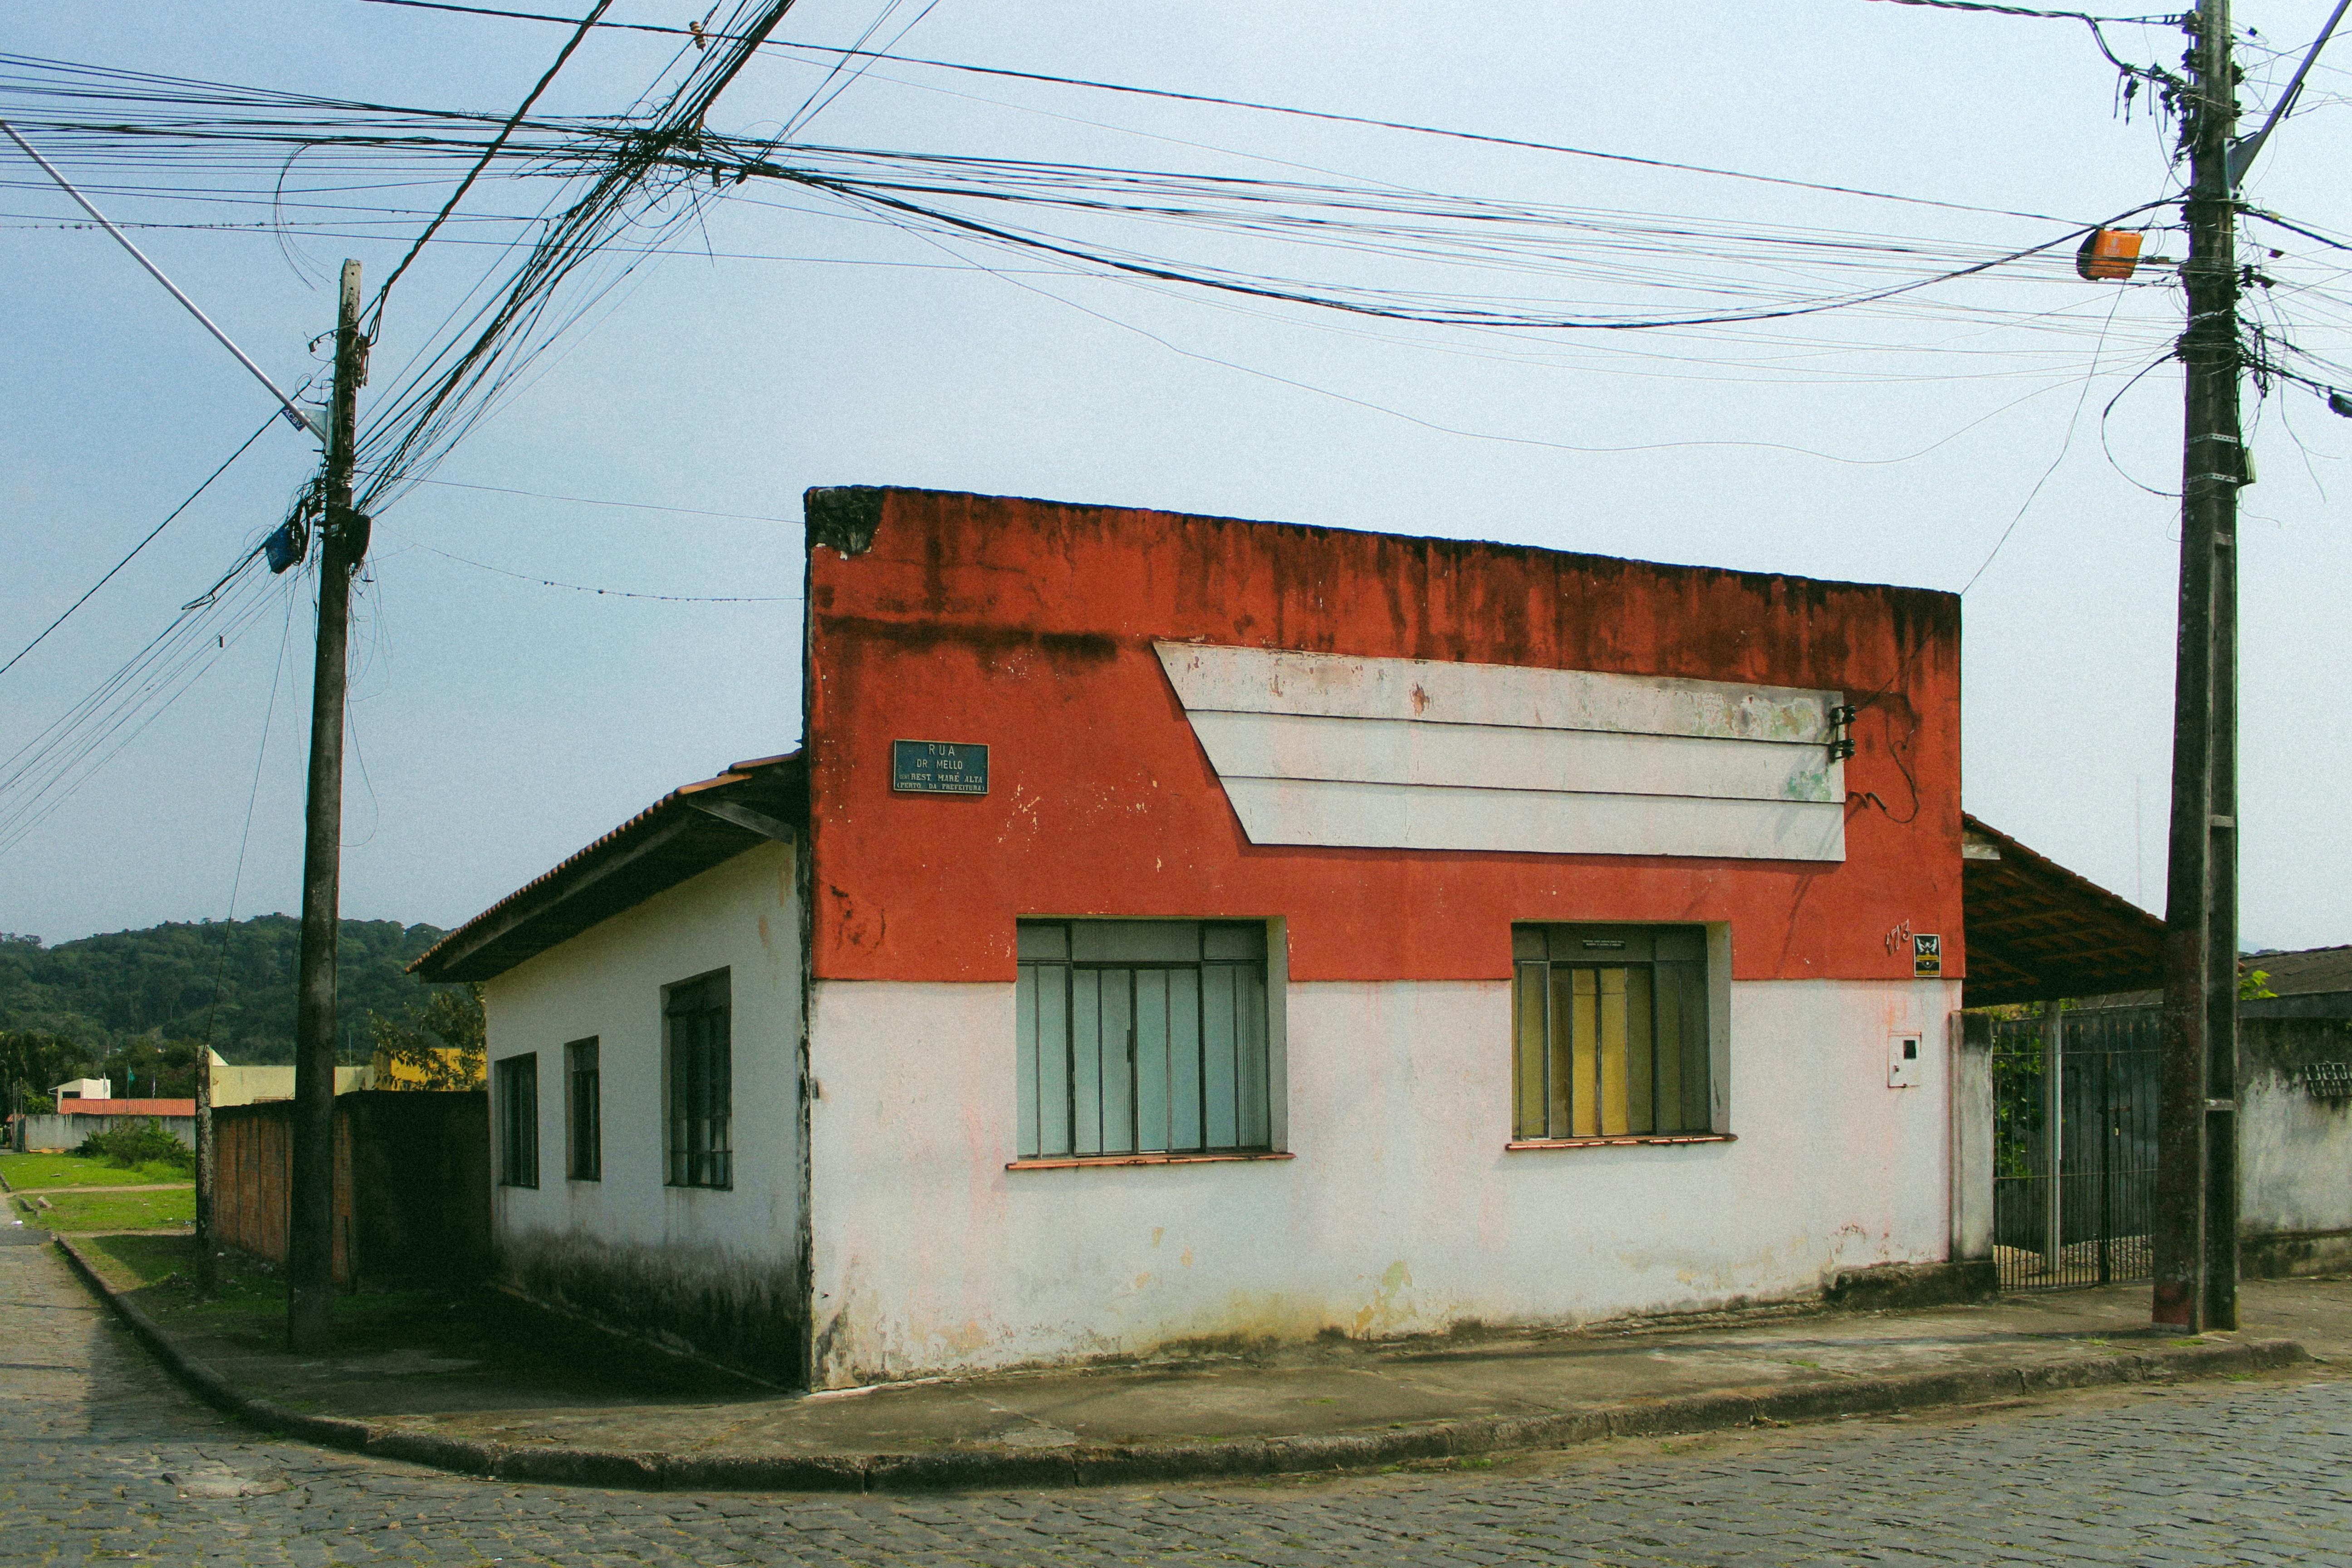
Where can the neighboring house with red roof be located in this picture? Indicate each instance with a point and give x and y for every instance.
(79, 1115)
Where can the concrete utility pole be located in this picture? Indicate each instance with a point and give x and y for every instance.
(342, 544)
(2196, 1219)
(207, 1274)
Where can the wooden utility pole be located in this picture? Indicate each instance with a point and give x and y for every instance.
(2196, 1219)
(343, 543)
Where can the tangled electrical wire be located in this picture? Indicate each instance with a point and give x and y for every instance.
(38, 777)
(601, 194)
(1359, 249)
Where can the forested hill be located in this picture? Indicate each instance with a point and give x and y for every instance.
(105, 991)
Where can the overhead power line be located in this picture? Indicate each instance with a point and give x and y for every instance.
(631, 505)
(2244, 151)
(376, 314)
(1256, 106)
(2015, 11)
(538, 581)
(1589, 268)
(143, 544)
(457, 384)
(294, 415)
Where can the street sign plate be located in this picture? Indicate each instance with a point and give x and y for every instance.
(939, 767)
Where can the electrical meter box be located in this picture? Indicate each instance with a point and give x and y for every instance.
(1903, 1061)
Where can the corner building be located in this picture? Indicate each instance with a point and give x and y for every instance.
(1549, 959)
(1178, 930)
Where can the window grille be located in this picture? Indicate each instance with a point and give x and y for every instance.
(517, 1093)
(700, 1089)
(1141, 1037)
(1609, 1031)
(583, 1131)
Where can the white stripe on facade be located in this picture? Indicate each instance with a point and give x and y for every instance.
(1535, 822)
(1321, 749)
(1494, 756)
(1427, 691)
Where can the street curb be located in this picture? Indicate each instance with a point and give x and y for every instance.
(964, 1469)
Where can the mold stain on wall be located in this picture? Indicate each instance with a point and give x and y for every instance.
(742, 1312)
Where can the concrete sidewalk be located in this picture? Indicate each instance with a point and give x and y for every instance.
(462, 1405)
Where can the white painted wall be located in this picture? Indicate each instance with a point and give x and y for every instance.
(1401, 1212)
(58, 1130)
(740, 916)
(2295, 1157)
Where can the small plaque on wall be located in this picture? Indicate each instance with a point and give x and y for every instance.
(939, 767)
(1926, 955)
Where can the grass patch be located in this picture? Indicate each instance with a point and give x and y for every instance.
(103, 1210)
(134, 1262)
(31, 1170)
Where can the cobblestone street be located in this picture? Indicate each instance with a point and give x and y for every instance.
(103, 1458)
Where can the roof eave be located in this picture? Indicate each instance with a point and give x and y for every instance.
(2124, 951)
(686, 832)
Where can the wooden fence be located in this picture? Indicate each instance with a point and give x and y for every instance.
(411, 1183)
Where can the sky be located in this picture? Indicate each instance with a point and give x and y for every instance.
(2011, 434)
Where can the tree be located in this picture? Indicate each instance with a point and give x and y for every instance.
(231, 984)
(438, 1044)
(151, 1069)
(38, 1062)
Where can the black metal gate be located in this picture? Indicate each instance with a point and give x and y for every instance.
(2082, 1218)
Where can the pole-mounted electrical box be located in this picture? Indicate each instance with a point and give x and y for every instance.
(1903, 1061)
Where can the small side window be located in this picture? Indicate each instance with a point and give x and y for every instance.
(517, 1089)
(583, 1131)
(699, 1086)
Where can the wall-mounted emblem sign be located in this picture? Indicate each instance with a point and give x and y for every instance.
(939, 767)
(1926, 955)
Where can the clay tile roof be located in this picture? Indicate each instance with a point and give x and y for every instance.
(73, 1107)
(684, 833)
(2301, 974)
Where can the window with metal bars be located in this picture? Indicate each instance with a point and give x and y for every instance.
(1142, 1037)
(583, 1130)
(698, 1089)
(517, 1108)
(1610, 1032)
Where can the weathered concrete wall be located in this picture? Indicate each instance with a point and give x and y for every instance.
(251, 1085)
(716, 1269)
(1060, 637)
(50, 1130)
(1972, 1138)
(1034, 628)
(1401, 1212)
(2295, 1151)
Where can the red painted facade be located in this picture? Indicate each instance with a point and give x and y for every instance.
(1028, 627)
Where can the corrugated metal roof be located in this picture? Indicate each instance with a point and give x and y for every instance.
(577, 892)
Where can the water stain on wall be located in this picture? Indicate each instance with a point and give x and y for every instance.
(742, 1311)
